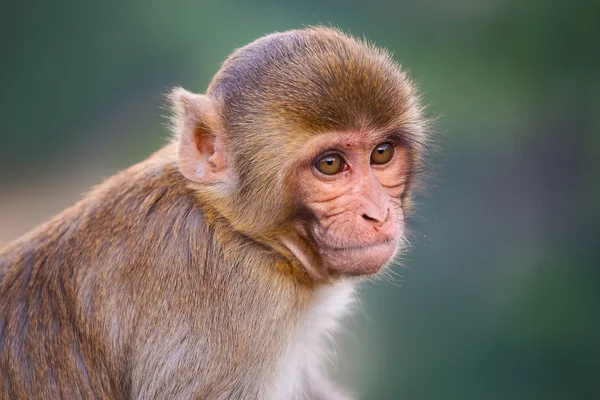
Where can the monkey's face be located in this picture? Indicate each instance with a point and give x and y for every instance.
(284, 145)
(350, 215)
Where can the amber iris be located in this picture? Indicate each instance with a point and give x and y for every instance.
(382, 154)
(330, 165)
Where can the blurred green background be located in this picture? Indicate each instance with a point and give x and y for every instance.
(500, 297)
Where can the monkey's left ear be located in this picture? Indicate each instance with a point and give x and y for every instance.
(197, 126)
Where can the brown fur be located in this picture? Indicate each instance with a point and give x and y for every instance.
(153, 286)
(83, 307)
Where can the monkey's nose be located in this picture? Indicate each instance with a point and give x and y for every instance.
(377, 217)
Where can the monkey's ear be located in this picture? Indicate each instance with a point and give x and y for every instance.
(197, 127)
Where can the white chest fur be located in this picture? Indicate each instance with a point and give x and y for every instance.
(302, 362)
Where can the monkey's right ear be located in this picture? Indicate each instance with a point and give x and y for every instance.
(197, 127)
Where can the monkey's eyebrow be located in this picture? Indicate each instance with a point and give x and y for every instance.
(397, 136)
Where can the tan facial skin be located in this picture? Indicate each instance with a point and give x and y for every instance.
(353, 218)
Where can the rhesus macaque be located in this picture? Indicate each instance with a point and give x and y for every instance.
(218, 267)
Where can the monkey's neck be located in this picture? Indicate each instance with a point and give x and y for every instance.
(270, 249)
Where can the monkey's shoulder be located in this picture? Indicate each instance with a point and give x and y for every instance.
(144, 204)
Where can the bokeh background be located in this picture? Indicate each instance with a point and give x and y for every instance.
(500, 297)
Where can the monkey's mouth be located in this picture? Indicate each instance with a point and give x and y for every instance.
(384, 243)
(359, 259)
(357, 245)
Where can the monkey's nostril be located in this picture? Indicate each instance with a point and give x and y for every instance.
(365, 216)
(376, 218)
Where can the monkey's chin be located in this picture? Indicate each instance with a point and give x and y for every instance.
(357, 261)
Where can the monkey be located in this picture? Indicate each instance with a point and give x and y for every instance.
(218, 267)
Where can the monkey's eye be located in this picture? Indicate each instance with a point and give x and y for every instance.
(330, 164)
(382, 154)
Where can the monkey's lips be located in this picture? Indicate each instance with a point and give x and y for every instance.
(363, 247)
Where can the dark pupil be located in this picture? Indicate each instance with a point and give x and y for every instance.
(329, 161)
(380, 150)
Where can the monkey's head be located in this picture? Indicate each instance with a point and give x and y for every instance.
(306, 141)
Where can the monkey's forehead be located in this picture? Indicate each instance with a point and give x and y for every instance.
(317, 78)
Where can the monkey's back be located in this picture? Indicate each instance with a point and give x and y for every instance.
(60, 290)
(45, 348)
